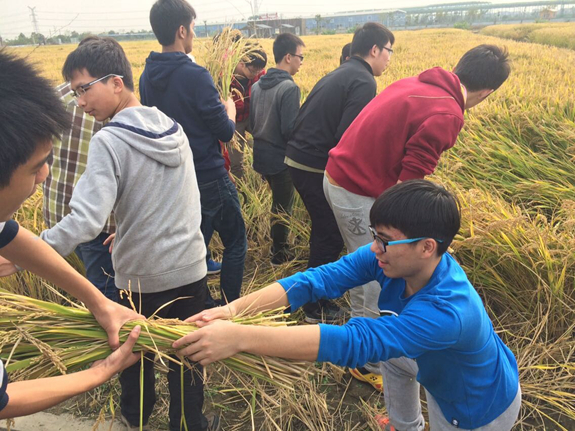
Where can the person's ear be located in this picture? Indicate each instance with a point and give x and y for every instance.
(118, 84)
(484, 93)
(374, 51)
(429, 247)
(181, 33)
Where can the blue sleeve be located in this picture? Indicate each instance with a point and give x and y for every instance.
(332, 280)
(211, 108)
(8, 232)
(3, 386)
(423, 326)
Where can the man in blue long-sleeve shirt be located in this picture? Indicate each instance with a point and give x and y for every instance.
(434, 329)
(185, 91)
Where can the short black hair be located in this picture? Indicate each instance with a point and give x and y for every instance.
(371, 33)
(419, 208)
(166, 17)
(100, 56)
(31, 114)
(345, 52)
(256, 58)
(286, 43)
(484, 67)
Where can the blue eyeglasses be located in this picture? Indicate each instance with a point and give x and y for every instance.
(383, 244)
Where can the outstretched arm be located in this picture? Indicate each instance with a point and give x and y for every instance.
(269, 298)
(30, 252)
(220, 339)
(32, 396)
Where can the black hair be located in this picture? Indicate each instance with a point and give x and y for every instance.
(256, 58)
(371, 33)
(100, 56)
(166, 17)
(286, 43)
(484, 67)
(31, 114)
(345, 53)
(418, 208)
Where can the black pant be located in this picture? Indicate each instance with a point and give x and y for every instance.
(193, 383)
(282, 203)
(326, 242)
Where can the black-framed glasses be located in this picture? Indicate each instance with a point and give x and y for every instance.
(388, 50)
(81, 90)
(297, 55)
(383, 244)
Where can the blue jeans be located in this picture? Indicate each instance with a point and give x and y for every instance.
(98, 263)
(221, 212)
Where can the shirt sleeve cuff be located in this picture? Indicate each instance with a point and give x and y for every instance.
(8, 233)
(407, 174)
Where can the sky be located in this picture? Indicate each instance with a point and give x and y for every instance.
(61, 16)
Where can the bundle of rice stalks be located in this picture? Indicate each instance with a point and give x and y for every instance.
(41, 339)
(223, 54)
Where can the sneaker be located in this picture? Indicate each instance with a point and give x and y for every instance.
(363, 375)
(281, 257)
(214, 267)
(325, 312)
(130, 427)
(213, 423)
(383, 423)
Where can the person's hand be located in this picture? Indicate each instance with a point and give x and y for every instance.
(230, 106)
(7, 268)
(211, 314)
(217, 340)
(111, 316)
(110, 240)
(123, 357)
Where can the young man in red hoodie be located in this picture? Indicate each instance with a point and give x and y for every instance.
(399, 136)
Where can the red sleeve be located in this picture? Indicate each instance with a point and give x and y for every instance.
(434, 136)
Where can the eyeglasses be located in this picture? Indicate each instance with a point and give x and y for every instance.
(297, 55)
(383, 244)
(388, 50)
(81, 90)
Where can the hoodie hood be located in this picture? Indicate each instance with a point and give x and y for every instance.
(160, 66)
(151, 133)
(446, 80)
(273, 77)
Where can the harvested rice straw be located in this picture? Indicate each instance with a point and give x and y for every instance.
(221, 57)
(41, 339)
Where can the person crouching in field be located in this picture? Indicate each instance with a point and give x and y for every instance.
(434, 330)
(31, 116)
(140, 166)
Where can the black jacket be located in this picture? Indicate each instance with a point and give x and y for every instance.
(328, 111)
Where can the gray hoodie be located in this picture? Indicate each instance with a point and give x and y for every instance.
(140, 166)
(274, 105)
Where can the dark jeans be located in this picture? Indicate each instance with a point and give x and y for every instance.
(221, 212)
(192, 301)
(98, 263)
(282, 203)
(326, 242)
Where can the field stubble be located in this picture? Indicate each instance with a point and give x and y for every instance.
(513, 171)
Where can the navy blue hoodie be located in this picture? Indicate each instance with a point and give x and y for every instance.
(185, 91)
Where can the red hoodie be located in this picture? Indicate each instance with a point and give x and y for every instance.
(400, 134)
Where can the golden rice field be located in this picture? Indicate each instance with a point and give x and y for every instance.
(514, 173)
(561, 35)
